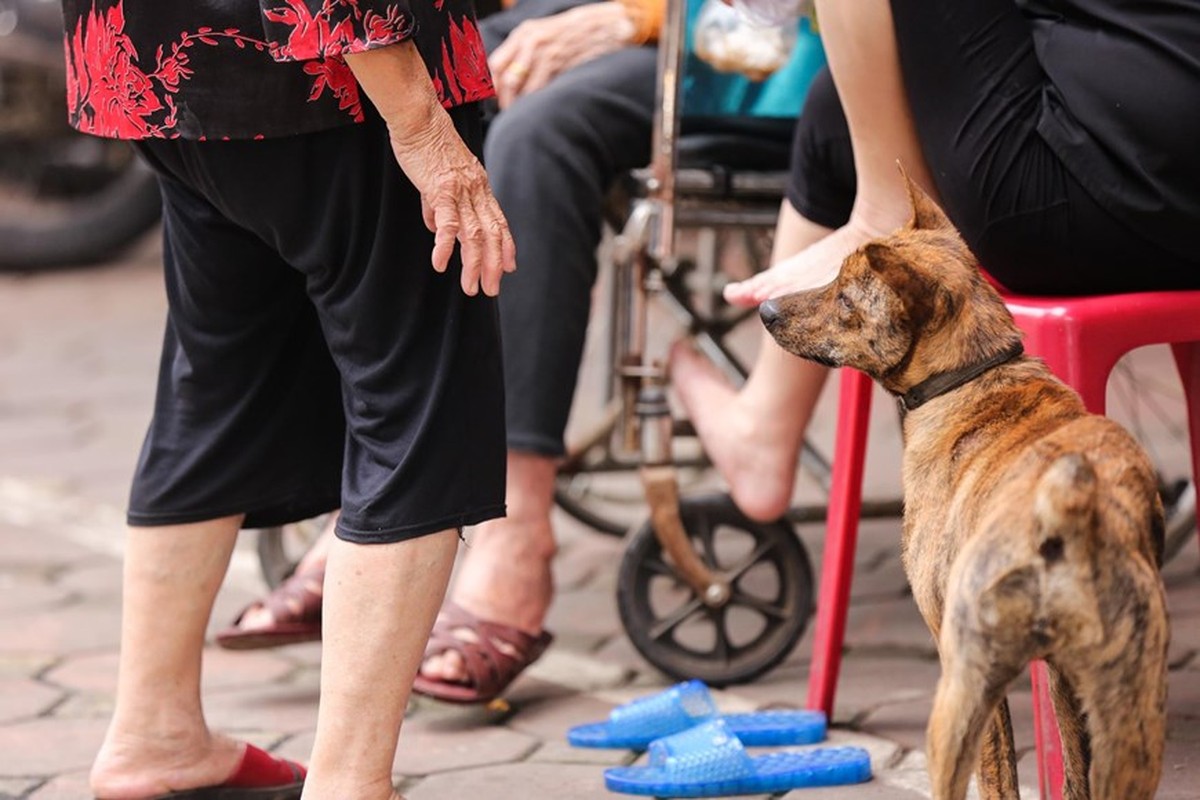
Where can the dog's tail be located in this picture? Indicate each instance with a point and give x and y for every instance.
(1066, 510)
(1065, 506)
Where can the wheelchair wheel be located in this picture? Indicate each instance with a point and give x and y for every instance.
(1179, 507)
(771, 596)
(280, 549)
(1145, 396)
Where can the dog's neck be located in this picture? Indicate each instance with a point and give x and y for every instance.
(943, 382)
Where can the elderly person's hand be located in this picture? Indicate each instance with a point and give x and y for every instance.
(456, 198)
(539, 49)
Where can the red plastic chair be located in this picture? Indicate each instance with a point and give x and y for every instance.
(1081, 339)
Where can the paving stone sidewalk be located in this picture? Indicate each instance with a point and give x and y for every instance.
(77, 358)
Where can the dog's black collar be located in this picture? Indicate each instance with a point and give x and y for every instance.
(937, 385)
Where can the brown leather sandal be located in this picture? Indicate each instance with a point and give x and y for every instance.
(295, 607)
(493, 655)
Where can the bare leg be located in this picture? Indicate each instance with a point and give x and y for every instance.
(753, 435)
(505, 576)
(860, 44)
(158, 740)
(380, 602)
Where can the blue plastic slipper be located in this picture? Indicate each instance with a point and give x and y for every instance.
(708, 761)
(637, 723)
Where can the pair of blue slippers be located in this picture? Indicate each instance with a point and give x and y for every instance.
(695, 751)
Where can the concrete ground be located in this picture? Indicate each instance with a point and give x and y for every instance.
(77, 362)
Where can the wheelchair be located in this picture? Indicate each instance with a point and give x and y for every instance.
(702, 590)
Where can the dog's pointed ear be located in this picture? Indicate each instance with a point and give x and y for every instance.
(926, 214)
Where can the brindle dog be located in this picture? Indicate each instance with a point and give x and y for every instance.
(1032, 529)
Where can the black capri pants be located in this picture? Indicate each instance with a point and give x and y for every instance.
(312, 358)
(975, 86)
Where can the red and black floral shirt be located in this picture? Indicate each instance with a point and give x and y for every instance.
(237, 69)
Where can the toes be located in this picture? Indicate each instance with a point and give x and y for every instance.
(744, 293)
(446, 666)
(256, 619)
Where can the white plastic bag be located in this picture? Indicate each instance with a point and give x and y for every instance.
(731, 42)
(773, 12)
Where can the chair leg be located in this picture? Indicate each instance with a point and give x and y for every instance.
(845, 503)
(1046, 736)
(1187, 360)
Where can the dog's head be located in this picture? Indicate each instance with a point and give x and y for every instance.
(902, 308)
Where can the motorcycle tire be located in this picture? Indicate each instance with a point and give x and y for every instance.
(111, 219)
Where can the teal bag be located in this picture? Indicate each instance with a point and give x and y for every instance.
(709, 93)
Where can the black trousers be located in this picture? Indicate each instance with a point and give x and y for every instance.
(976, 87)
(312, 357)
(552, 157)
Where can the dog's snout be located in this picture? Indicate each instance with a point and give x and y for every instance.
(768, 312)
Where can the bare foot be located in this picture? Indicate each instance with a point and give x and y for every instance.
(754, 450)
(132, 767)
(811, 268)
(505, 577)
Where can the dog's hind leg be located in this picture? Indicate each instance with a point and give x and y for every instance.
(998, 758)
(983, 645)
(1122, 690)
(1076, 741)
(970, 717)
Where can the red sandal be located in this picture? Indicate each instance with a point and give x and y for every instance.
(493, 655)
(259, 776)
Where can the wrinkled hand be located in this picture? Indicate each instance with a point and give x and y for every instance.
(539, 49)
(456, 199)
(458, 205)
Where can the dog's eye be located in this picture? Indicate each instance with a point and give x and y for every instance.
(844, 302)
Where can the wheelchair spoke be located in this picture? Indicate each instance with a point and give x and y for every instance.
(749, 561)
(722, 649)
(759, 604)
(676, 618)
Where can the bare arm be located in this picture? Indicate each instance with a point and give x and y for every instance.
(455, 196)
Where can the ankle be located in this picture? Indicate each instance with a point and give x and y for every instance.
(873, 220)
(342, 785)
(522, 537)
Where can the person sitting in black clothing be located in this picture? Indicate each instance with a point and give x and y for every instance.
(1059, 135)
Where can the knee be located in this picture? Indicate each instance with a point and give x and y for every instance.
(529, 130)
(823, 183)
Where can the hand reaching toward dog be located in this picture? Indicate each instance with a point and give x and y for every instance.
(456, 199)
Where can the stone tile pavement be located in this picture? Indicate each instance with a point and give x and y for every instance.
(77, 360)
